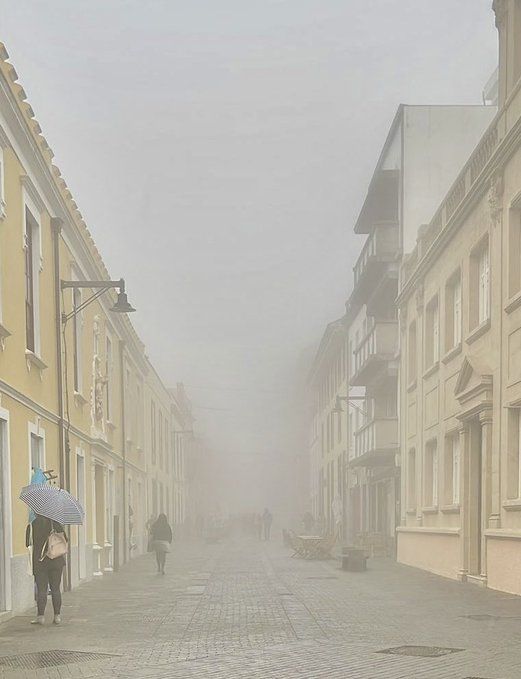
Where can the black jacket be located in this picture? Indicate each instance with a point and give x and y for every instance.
(41, 529)
(161, 532)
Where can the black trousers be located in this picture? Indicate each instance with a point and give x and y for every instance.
(49, 578)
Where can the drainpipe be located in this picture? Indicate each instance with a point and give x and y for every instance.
(63, 442)
(123, 446)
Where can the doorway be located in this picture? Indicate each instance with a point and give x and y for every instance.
(475, 504)
(80, 490)
(5, 518)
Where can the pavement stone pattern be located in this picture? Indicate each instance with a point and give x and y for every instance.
(245, 609)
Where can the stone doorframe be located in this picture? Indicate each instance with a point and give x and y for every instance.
(479, 509)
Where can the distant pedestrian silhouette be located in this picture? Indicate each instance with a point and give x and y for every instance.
(267, 520)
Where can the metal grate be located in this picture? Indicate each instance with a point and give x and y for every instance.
(421, 651)
(40, 659)
(487, 616)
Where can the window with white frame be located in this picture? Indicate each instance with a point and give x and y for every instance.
(109, 360)
(514, 454)
(432, 333)
(484, 285)
(37, 451)
(479, 299)
(77, 327)
(32, 259)
(453, 312)
(431, 474)
(411, 479)
(452, 469)
(411, 352)
(2, 183)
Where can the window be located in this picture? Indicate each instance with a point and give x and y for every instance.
(31, 227)
(411, 352)
(514, 455)
(453, 312)
(479, 311)
(37, 452)
(484, 292)
(153, 431)
(139, 440)
(2, 184)
(452, 469)
(77, 340)
(514, 253)
(411, 479)
(108, 377)
(160, 417)
(431, 474)
(339, 427)
(432, 333)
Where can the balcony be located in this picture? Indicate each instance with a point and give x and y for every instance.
(375, 356)
(377, 264)
(376, 443)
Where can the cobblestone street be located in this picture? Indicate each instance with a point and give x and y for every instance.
(245, 609)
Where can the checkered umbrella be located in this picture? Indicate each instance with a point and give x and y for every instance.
(53, 503)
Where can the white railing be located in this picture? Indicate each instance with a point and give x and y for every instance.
(378, 434)
(381, 340)
(382, 243)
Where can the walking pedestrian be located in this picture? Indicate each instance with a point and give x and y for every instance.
(161, 535)
(47, 571)
(267, 520)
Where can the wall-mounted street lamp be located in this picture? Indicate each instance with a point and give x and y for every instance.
(121, 306)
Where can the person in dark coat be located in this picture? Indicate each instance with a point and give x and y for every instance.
(161, 535)
(47, 572)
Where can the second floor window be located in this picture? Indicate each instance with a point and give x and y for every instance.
(432, 333)
(30, 284)
(453, 312)
(479, 300)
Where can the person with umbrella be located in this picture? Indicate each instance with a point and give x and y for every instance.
(53, 508)
(47, 571)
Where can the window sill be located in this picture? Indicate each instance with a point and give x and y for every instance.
(430, 510)
(452, 353)
(478, 332)
(430, 371)
(80, 399)
(513, 303)
(34, 361)
(450, 509)
(412, 385)
(512, 505)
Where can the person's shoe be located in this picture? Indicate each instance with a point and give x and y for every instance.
(39, 620)
(57, 620)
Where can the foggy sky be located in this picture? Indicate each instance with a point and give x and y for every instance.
(219, 151)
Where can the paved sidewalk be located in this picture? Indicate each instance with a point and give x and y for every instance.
(244, 609)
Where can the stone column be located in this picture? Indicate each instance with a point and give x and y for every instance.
(107, 545)
(464, 432)
(485, 420)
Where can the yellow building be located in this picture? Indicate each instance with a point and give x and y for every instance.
(77, 393)
(460, 375)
